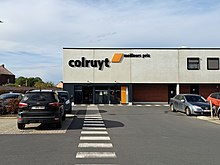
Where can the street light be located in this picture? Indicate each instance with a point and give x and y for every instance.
(1, 21)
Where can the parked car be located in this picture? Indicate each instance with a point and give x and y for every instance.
(218, 113)
(215, 98)
(66, 99)
(40, 106)
(191, 104)
(9, 102)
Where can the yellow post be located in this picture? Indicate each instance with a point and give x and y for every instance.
(123, 95)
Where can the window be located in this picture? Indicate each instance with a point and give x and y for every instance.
(193, 64)
(213, 63)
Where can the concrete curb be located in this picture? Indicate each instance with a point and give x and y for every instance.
(8, 117)
(213, 120)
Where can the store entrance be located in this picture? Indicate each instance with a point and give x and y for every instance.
(115, 95)
(87, 95)
(101, 97)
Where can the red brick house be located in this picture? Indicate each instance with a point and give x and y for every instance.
(6, 76)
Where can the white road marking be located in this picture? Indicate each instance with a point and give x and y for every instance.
(93, 121)
(94, 128)
(99, 125)
(95, 145)
(95, 155)
(86, 119)
(93, 117)
(94, 138)
(94, 132)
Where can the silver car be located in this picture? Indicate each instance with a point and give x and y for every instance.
(191, 104)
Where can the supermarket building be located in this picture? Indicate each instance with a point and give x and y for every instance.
(139, 75)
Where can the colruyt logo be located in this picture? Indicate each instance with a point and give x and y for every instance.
(100, 64)
(85, 63)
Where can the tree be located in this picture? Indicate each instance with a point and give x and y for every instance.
(30, 82)
(49, 84)
(33, 80)
(21, 81)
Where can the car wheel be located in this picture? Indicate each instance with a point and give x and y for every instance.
(21, 125)
(187, 111)
(172, 108)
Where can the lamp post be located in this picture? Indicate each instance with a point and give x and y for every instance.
(1, 21)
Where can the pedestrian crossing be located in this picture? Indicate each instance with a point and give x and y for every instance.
(120, 105)
(95, 145)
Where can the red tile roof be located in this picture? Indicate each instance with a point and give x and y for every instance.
(4, 71)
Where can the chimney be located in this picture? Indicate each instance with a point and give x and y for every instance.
(3, 65)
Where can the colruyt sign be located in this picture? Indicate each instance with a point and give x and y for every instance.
(100, 64)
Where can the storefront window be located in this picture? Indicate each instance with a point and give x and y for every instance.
(213, 63)
(193, 64)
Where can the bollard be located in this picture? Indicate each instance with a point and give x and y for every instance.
(211, 109)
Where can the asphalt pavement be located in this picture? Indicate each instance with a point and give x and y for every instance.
(126, 135)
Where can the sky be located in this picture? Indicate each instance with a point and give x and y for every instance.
(34, 32)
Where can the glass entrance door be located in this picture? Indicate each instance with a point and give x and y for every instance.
(101, 96)
(87, 95)
(115, 95)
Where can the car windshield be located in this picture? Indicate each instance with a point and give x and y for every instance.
(190, 98)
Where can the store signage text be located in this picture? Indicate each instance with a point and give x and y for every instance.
(83, 63)
(132, 55)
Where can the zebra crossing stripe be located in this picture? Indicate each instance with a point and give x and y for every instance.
(94, 128)
(94, 122)
(94, 132)
(81, 155)
(94, 138)
(95, 145)
(94, 125)
(92, 119)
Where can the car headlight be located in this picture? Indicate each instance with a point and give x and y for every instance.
(196, 108)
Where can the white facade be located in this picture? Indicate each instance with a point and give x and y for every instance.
(163, 66)
(130, 75)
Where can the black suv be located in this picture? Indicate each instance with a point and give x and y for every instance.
(41, 106)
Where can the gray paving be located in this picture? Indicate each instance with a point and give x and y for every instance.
(9, 126)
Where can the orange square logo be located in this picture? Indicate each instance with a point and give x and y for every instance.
(117, 57)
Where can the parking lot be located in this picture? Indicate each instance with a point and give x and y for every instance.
(9, 126)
